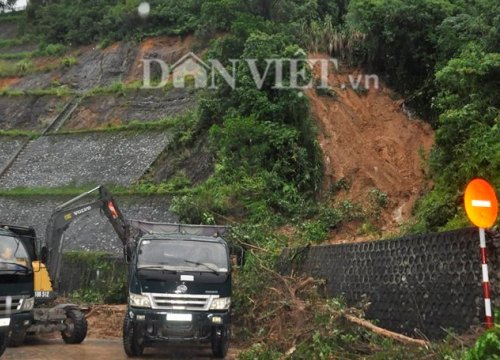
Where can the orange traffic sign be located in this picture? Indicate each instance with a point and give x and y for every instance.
(481, 204)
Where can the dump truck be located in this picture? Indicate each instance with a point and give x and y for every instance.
(179, 285)
(17, 249)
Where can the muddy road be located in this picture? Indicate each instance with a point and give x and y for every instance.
(96, 349)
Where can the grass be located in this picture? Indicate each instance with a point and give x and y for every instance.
(133, 126)
(116, 88)
(175, 186)
(20, 133)
(19, 68)
(4, 43)
(18, 55)
(25, 66)
(60, 91)
(12, 16)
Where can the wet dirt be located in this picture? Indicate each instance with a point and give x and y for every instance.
(37, 348)
(371, 142)
(167, 48)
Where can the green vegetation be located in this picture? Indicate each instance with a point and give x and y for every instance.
(487, 346)
(441, 55)
(117, 88)
(109, 287)
(446, 62)
(50, 50)
(5, 43)
(133, 126)
(15, 56)
(90, 21)
(56, 89)
(19, 68)
(59, 91)
(69, 61)
(20, 133)
(268, 160)
(171, 187)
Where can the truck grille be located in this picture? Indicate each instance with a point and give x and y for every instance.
(181, 301)
(10, 304)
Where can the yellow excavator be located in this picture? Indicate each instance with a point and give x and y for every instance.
(30, 272)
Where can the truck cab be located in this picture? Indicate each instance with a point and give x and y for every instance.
(17, 252)
(179, 288)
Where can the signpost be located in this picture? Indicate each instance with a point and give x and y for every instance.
(481, 206)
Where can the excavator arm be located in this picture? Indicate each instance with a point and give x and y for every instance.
(65, 214)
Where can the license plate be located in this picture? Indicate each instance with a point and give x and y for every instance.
(179, 317)
(5, 322)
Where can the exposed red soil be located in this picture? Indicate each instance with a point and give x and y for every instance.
(88, 118)
(8, 81)
(45, 62)
(166, 48)
(369, 141)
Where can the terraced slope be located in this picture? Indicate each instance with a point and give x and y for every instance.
(86, 98)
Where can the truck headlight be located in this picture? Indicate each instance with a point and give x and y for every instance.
(139, 300)
(28, 304)
(220, 303)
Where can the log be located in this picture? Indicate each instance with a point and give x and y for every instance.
(383, 332)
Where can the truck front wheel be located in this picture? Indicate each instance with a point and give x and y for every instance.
(76, 324)
(16, 338)
(220, 341)
(133, 341)
(3, 342)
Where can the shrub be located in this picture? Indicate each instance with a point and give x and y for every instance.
(69, 61)
(486, 347)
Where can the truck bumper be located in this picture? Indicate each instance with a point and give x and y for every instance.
(20, 321)
(158, 326)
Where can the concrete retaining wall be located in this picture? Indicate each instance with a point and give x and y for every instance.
(92, 158)
(8, 147)
(415, 284)
(92, 232)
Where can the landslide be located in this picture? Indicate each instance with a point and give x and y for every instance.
(370, 141)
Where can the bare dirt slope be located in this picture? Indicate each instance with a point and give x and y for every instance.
(369, 141)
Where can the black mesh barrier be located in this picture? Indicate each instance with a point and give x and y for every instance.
(79, 274)
(415, 284)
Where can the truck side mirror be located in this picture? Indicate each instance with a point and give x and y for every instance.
(44, 254)
(127, 254)
(238, 253)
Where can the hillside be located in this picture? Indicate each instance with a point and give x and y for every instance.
(342, 164)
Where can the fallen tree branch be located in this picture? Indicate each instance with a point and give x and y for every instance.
(303, 284)
(91, 312)
(383, 332)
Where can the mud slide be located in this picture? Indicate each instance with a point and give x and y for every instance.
(371, 142)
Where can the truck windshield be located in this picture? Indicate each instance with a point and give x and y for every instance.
(183, 255)
(13, 254)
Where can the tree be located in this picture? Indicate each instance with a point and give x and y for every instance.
(6, 5)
